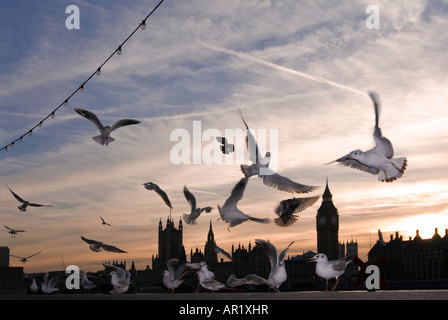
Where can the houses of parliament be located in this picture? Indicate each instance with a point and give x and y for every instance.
(251, 259)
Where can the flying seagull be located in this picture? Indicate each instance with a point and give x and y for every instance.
(25, 259)
(378, 160)
(226, 147)
(160, 192)
(230, 212)
(233, 281)
(330, 269)
(26, 203)
(286, 210)
(13, 232)
(104, 222)
(104, 138)
(278, 271)
(260, 167)
(195, 211)
(98, 246)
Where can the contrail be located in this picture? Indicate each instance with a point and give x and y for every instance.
(280, 68)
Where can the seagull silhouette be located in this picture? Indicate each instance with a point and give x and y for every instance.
(104, 138)
(286, 210)
(98, 246)
(26, 203)
(160, 192)
(226, 147)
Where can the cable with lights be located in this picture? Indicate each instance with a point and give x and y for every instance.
(81, 88)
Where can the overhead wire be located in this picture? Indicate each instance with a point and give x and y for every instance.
(118, 50)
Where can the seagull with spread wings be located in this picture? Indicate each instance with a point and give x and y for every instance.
(278, 271)
(104, 138)
(13, 232)
(380, 159)
(25, 259)
(98, 246)
(287, 209)
(195, 211)
(260, 167)
(26, 203)
(230, 213)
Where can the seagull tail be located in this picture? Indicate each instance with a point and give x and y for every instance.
(99, 139)
(396, 171)
(188, 220)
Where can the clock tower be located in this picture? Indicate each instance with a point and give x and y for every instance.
(327, 226)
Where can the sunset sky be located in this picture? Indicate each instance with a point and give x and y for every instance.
(301, 69)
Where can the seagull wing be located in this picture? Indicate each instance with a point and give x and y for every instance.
(39, 205)
(33, 254)
(355, 164)
(290, 206)
(339, 265)
(89, 241)
(190, 198)
(220, 250)
(283, 253)
(16, 196)
(91, 117)
(123, 123)
(160, 192)
(270, 250)
(382, 144)
(110, 248)
(251, 143)
(282, 183)
(236, 194)
(8, 228)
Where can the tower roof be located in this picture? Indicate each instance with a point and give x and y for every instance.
(327, 196)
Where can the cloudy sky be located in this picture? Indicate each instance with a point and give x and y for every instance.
(299, 69)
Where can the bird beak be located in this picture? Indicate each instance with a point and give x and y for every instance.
(311, 260)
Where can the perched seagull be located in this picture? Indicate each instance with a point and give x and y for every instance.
(13, 232)
(330, 269)
(230, 212)
(380, 238)
(104, 138)
(120, 279)
(33, 286)
(195, 211)
(85, 282)
(26, 203)
(278, 271)
(48, 286)
(171, 278)
(226, 147)
(220, 250)
(260, 167)
(286, 209)
(378, 160)
(209, 283)
(98, 246)
(233, 281)
(25, 259)
(104, 222)
(160, 192)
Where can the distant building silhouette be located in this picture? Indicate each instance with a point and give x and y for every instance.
(170, 246)
(413, 259)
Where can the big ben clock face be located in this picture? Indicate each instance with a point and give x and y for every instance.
(334, 221)
(321, 221)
